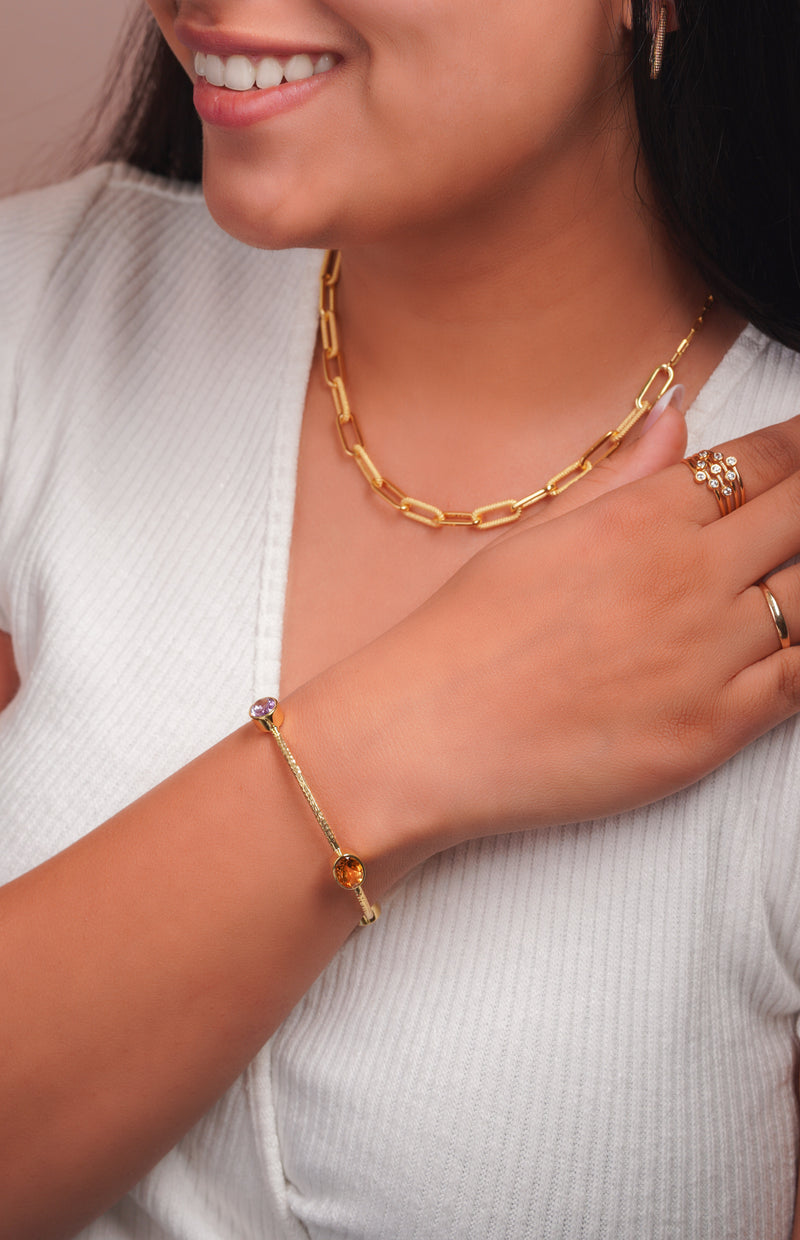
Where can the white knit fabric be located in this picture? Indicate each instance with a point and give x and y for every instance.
(576, 1034)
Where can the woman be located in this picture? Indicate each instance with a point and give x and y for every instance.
(553, 1030)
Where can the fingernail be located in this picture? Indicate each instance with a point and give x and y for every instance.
(672, 396)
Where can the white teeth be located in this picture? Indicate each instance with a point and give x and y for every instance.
(298, 68)
(215, 70)
(240, 73)
(269, 73)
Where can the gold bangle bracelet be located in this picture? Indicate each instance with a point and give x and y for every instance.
(349, 870)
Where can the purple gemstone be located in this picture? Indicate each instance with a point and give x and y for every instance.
(263, 708)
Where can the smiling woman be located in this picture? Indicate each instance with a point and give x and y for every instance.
(555, 735)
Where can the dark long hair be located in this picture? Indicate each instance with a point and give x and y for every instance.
(719, 136)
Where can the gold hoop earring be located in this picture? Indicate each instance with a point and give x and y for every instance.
(657, 46)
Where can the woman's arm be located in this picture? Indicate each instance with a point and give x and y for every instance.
(598, 661)
(142, 968)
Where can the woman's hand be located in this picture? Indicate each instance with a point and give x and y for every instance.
(586, 664)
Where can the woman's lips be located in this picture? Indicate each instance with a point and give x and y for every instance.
(238, 84)
(237, 109)
(211, 40)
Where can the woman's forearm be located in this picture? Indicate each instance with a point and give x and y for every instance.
(142, 968)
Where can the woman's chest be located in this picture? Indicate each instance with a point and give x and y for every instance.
(357, 566)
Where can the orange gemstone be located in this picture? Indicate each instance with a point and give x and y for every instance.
(349, 871)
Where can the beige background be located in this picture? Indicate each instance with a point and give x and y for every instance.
(55, 57)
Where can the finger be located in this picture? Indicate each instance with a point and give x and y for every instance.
(764, 533)
(752, 632)
(773, 625)
(662, 444)
(764, 458)
(762, 696)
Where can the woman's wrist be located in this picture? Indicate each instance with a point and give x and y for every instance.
(361, 769)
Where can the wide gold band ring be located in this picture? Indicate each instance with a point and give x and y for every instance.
(721, 475)
(777, 615)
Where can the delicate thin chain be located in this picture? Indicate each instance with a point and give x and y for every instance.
(488, 516)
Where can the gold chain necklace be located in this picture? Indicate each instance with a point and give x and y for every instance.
(488, 516)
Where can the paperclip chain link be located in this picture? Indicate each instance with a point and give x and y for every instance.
(488, 516)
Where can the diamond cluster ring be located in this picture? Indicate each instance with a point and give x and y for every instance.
(721, 475)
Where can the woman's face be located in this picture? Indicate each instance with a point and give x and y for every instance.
(424, 111)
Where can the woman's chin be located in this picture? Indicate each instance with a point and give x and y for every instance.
(255, 214)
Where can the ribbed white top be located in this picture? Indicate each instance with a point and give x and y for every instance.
(576, 1034)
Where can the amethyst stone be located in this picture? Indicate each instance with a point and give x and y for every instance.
(264, 708)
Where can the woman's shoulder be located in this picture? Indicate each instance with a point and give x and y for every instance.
(56, 210)
(87, 224)
(40, 228)
(52, 211)
(115, 247)
(37, 226)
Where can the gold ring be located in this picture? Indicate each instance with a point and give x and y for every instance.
(777, 615)
(721, 475)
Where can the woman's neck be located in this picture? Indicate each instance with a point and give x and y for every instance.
(537, 311)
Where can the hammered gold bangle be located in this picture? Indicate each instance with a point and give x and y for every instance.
(349, 870)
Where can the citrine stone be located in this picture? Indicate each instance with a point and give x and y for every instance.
(348, 870)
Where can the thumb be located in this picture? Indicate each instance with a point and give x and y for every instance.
(661, 443)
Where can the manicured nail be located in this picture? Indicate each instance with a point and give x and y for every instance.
(672, 396)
